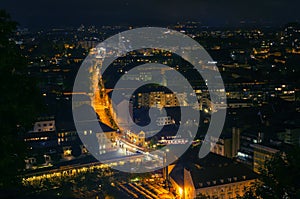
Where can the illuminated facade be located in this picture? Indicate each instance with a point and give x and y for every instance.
(161, 99)
(44, 126)
(100, 142)
(106, 141)
(136, 138)
(212, 176)
(43, 135)
(261, 155)
(162, 121)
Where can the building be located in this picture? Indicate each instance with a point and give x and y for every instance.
(262, 153)
(88, 44)
(81, 99)
(106, 139)
(206, 105)
(213, 176)
(227, 144)
(97, 136)
(176, 139)
(43, 136)
(247, 139)
(138, 139)
(237, 103)
(162, 121)
(66, 131)
(291, 136)
(42, 143)
(142, 76)
(44, 125)
(67, 135)
(161, 99)
(290, 133)
(123, 114)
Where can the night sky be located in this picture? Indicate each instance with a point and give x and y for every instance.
(41, 13)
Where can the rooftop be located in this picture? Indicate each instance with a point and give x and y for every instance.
(212, 170)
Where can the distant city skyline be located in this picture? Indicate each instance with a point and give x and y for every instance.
(54, 13)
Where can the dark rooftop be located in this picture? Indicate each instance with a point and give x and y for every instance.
(212, 170)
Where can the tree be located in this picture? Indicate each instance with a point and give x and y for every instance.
(18, 103)
(279, 178)
(76, 150)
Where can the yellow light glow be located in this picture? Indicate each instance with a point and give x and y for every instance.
(180, 191)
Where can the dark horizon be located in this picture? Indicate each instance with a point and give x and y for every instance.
(54, 13)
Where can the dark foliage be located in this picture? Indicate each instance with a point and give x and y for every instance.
(18, 103)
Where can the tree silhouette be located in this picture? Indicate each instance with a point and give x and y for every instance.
(279, 178)
(18, 103)
(76, 150)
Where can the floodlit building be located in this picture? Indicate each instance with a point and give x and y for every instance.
(213, 176)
